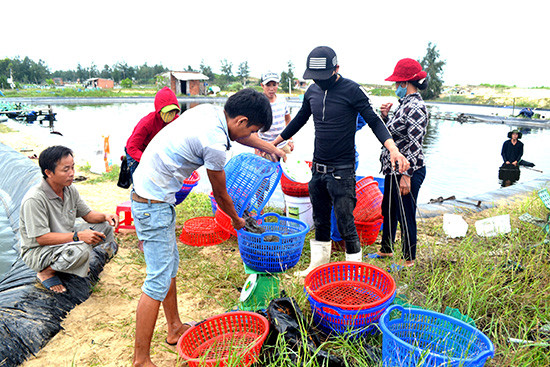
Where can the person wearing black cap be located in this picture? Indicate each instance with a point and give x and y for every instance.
(334, 102)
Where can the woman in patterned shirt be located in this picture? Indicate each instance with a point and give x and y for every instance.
(407, 127)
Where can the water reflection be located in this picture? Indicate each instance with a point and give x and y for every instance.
(508, 174)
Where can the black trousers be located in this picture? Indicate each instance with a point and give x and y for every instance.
(336, 189)
(405, 215)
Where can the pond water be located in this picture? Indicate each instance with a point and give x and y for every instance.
(462, 159)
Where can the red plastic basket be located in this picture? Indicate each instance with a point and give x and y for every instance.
(187, 186)
(232, 338)
(224, 221)
(369, 201)
(293, 188)
(203, 231)
(368, 231)
(193, 179)
(348, 296)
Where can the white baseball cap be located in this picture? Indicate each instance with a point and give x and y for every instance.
(270, 76)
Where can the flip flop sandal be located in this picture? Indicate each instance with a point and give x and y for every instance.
(51, 282)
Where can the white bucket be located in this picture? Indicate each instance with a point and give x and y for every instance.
(299, 208)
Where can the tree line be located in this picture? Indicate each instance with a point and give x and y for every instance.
(27, 71)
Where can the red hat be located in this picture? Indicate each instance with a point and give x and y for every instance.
(407, 70)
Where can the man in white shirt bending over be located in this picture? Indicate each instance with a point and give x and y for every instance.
(200, 137)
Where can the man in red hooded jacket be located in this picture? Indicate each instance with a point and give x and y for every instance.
(166, 110)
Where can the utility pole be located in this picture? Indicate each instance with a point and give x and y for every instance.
(289, 86)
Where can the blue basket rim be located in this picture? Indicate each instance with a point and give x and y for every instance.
(189, 185)
(385, 331)
(361, 264)
(279, 217)
(342, 311)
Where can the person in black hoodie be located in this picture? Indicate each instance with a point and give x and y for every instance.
(334, 102)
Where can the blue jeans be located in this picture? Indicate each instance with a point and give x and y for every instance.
(156, 227)
(335, 189)
(406, 216)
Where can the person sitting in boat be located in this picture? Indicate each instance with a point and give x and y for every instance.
(526, 112)
(512, 149)
(51, 241)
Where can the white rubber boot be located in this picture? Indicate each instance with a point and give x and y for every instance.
(320, 255)
(355, 257)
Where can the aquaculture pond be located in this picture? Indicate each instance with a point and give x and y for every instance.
(462, 158)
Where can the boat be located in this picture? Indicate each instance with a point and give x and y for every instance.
(516, 121)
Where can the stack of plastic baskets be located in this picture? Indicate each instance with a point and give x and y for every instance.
(277, 249)
(188, 185)
(368, 231)
(368, 211)
(418, 337)
(233, 338)
(348, 297)
(250, 181)
(369, 200)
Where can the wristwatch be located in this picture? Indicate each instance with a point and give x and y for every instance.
(75, 237)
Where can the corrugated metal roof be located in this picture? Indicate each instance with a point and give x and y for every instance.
(186, 75)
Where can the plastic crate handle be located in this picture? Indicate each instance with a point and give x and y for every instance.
(396, 308)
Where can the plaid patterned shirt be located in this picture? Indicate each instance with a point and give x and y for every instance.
(407, 128)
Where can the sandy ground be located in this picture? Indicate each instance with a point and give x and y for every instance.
(100, 331)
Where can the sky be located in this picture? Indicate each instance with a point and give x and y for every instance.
(483, 41)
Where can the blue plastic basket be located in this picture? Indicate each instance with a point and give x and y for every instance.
(187, 186)
(413, 336)
(250, 181)
(273, 256)
(349, 297)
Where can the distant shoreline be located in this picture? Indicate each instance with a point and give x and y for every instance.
(186, 99)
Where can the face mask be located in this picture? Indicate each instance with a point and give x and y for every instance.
(401, 91)
(327, 83)
(168, 116)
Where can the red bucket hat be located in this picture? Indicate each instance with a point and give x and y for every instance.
(407, 70)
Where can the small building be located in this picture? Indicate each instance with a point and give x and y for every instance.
(57, 81)
(186, 82)
(99, 83)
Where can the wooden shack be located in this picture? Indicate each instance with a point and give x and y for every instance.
(99, 83)
(186, 82)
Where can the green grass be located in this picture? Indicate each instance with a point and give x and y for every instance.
(111, 176)
(474, 274)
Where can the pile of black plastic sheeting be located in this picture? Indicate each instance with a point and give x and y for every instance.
(31, 315)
